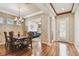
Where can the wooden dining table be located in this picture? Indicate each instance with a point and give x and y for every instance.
(20, 37)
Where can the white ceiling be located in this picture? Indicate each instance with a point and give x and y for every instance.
(62, 7)
(12, 8)
(30, 9)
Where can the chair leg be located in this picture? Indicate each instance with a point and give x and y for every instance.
(6, 46)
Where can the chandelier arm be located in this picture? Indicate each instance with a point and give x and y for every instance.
(19, 19)
(19, 12)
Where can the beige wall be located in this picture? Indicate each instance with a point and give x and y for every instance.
(44, 29)
(70, 26)
(76, 22)
(47, 29)
(7, 28)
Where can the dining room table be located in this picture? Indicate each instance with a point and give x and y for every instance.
(21, 39)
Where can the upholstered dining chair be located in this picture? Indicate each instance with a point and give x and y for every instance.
(7, 41)
(30, 37)
(24, 43)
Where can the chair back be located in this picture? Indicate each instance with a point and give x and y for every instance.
(11, 36)
(30, 35)
(6, 38)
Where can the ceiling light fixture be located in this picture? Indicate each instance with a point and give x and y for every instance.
(19, 19)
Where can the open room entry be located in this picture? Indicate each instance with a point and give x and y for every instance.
(62, 28)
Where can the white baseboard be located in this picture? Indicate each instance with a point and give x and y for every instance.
(71, 42)
(47, 43)
(64, 41)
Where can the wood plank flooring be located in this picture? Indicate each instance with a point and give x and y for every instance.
(41, 50)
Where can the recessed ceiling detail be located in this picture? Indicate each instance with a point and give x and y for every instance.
(62, 8)
(26, 9)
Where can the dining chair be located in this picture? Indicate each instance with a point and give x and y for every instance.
(30, 37)
(15, 44)
(7, 41)
(24, 43)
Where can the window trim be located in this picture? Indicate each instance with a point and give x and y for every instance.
(9, 19)
(2, 21)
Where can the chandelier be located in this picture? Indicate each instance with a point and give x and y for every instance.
(19, 19)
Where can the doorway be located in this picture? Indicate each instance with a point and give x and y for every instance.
(62, 29)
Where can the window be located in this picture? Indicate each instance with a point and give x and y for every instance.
(10, 21)
(1, 20)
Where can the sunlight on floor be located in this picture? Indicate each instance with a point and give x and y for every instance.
(63, 49)
(36, 47)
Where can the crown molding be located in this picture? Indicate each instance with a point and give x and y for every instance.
(33, 14)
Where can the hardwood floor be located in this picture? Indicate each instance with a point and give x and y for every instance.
(72, 50)
(50, 51)
(41, 50)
